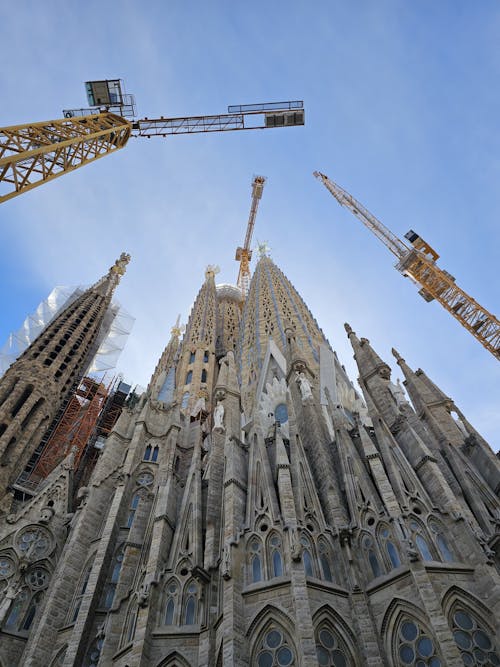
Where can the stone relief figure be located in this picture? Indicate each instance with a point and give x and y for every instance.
(304, 385)
(398, 392)
(226, 561)
(11, 592)
(219, 417)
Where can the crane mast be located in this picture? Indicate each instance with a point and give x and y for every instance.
(244, 254)
(418, 262)
(35, 153)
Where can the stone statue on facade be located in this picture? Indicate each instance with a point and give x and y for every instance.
(304, 385)
(219, 417)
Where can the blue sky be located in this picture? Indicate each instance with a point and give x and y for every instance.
(402, 106)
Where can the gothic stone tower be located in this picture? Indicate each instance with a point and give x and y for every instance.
(252, 509)
(36, 385)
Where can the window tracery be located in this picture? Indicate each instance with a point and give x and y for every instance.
(190, 606)
(255, 560)
(330, 650)
(388, 547)
(275, 649)
(475, 643)
(275, 555)
(172, 590)
(442, 543)
(325, 559)
(110, 588)
(414, 645)
(421, 540)
(133, 507)
(34, 540)
(307, 555)
(369, 549)
(7, 567)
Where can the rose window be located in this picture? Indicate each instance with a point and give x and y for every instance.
(328, 650)
(416, 648)
(475, 644)
(6, 567)
(34, 541)
(275, 651)
(38, 578)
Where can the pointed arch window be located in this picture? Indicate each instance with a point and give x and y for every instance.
(441, 542)
(147, 453)
(474, 641)
(109, 591)
(307, 557)
(205, 356)
(172, 594)
(325, 560)
(16, 609)
(414, 645)
(133, 507)
(255, 560)
(31, 612)
(368, 547)
(189, 377)
(275, 648)
(130, 623)
(419, 537)
(190, 610)
(330, 649)
(154, 456)
(275, 555)
(388, 547)
(191, 357)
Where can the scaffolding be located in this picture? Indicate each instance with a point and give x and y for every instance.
(85, 421)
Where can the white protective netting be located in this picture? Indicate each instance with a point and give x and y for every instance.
(116, 327)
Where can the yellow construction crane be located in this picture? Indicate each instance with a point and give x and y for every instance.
(418, 262)
(36, 153)
(244, 254)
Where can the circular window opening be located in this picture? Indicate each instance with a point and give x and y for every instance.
(263, 527)
(371, 521)
(417, 510)
(184, 571)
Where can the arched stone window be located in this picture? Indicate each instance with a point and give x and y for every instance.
(80, 591)
(7, 567)
(189, 377)
(255, 560)
(388, 547)
(147, 453)
(421, 540)
(110, 588)
(414, 645)
(330, 649)
(275, 555)
(275, 648)
(191, 357)
(370, 552)
(325, 559)
(205, 356)
(130, 623)
(204, 375)
(133, 507)
(171, 602)
(307, 555)
(190, 611)
(31, 612)
(442, 544)
(17, 608)
(474, 641)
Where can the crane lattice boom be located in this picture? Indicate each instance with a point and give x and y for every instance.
(35, 153)
(419, 263)
(244, 254)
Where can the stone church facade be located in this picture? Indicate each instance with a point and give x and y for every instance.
(251, 508)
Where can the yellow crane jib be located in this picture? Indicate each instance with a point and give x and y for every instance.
(418, 262)
(36, 153)
(244, 254)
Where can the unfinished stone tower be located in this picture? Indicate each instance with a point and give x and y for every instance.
(253, 510)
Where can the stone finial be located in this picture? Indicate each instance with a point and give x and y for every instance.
(120, 266)
(396, 354)
(263, 249)
(211, 271)
(348, 328)
(178, 328)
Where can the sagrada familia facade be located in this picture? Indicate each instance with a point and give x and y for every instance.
(251, 508)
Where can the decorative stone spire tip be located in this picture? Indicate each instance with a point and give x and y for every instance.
(396, 354)
(120, 266)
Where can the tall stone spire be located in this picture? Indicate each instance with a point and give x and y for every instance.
(36, 385)
(274, 306)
